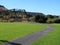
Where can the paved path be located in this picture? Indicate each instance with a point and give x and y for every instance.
(28, 39)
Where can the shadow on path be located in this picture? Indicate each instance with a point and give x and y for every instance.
(5, 42)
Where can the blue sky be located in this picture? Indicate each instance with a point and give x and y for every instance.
(43, 6)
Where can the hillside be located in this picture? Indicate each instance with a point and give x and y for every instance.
(2, 8)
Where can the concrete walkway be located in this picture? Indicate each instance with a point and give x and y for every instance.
(28, 39)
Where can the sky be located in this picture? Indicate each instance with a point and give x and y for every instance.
(42, 6)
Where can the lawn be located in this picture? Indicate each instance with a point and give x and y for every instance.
(10, 31)
(53, 38)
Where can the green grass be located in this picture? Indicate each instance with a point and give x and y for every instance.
(53, 38)
(9, 31)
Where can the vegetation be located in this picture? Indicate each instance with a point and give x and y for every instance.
(20, 15)
(9, 31)
(53, 38)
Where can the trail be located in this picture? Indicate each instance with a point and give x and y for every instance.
(28, 39)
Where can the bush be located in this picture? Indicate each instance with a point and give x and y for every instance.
(57, 21)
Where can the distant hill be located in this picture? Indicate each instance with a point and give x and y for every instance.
(2, 8)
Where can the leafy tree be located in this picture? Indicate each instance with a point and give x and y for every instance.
(41, 18)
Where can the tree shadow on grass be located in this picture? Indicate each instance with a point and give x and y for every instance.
(8, 43)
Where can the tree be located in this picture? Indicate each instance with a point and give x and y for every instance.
(50, 16)
(57, 21)
(37, 17)
(41, 18)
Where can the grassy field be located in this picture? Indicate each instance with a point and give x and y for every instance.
(53, 38)
(9, 31)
